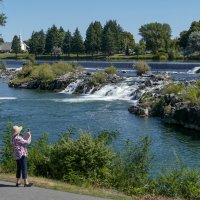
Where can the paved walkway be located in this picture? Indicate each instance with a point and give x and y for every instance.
(8, 191)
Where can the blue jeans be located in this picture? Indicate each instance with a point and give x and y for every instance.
(22, 167)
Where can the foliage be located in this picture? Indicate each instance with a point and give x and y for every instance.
(184, 35)
(194, 42)
(67, 46)
(131, 170)
(16, 46)
(93, 38)
(99, 78)
(110, 70)
(6, 155)
(77, 42)
(2, 66)
(173, 88)
(142, 67)
(191, 94)
(160, 56)
(112, 37)
(37, 42)
(54, 38)
(178, 182)
(45, 72)
(156, 36)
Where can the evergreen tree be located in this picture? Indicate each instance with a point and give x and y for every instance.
(77, 42)
(37, 43)
(67, 43)
(2, 23)
(91, 40)
(114, 33)
(52, 39)
(98, 34)
(33, 43)
(61, 36)
(16, 47)
(109, 42)
(42, 41)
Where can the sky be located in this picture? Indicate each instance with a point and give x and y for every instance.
(26, 16)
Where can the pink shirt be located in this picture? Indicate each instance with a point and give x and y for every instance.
(20, 146)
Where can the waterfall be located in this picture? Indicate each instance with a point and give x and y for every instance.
(195, 70)
(129, 89)
(71, 88)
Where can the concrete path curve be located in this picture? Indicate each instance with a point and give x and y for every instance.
(8, 191)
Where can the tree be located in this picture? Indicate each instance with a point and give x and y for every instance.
(52, 39)
(140, 48)
(127, 42)
(37, 43)
(194, 42)
(109, 42)
(113, 31)
(67, 43)
(61, 36)
(91, 40)
(98, 31)
(184, 35)
(2, 23)
(77, 42)
(16, 47)
(156, 35)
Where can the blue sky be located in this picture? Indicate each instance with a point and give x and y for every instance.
(27, 15)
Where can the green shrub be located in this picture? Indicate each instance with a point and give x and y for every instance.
(178, 182)
(2, 66)
(160, 56)
(173, 88)
(38, 157)
(99, 78)
(131, 167)
(8, 164)
(110, 70)
(84, 159)
(191, 94)
(142, 67)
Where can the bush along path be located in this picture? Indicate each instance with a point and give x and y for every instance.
(89, 160)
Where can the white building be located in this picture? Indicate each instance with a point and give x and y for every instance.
(23, 45)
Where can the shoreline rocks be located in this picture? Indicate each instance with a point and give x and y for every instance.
(171, 108)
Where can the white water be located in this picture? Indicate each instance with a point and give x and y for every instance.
(126, 90)
(194, 70)
(7, 98)
(70, 89)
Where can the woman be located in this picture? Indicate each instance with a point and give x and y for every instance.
(20, 153)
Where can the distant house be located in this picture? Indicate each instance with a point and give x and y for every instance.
(24, 46)
(6, 47)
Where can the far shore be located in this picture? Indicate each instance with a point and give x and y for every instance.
(100, 57)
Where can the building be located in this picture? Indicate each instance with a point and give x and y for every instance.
(6, 47)
(24, 46)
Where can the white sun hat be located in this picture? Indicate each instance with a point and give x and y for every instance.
(17, 129)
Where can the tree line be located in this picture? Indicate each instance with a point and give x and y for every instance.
(112, 38)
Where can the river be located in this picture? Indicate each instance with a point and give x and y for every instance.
(50, 112)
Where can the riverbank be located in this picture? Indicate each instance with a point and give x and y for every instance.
(90, 57)
(176, 103)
